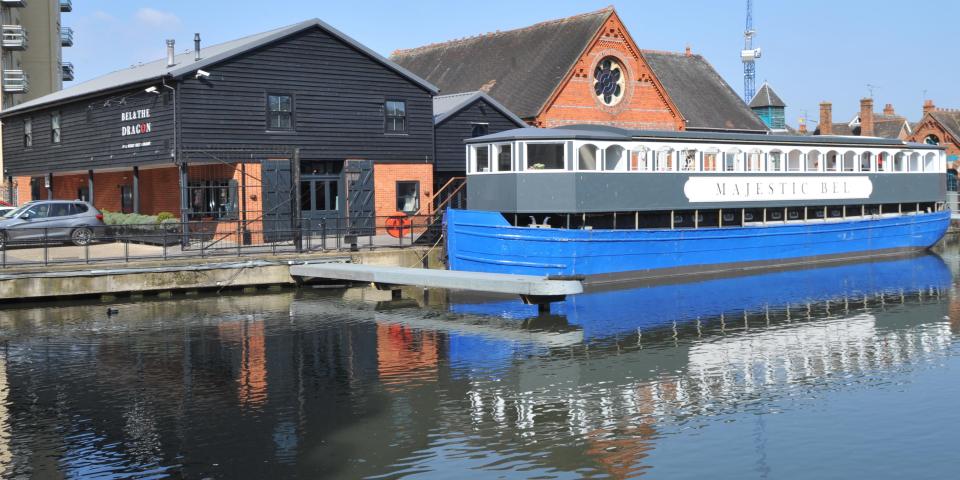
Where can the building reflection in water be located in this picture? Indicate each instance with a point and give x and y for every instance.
(323, 385)
(252, 374)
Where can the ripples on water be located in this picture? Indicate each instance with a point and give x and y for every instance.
(840, 371)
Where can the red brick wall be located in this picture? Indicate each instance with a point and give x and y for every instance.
(644, 106)
(930, 126)
(23, 189)
(386, 177)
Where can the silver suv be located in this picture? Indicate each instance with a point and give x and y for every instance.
(51, 220)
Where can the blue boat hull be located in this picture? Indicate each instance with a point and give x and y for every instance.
(484, 241)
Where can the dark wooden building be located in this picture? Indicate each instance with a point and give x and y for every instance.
(212, 134)
(460, 116)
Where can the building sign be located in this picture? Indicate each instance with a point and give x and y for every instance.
(767, 189)
(138, 128)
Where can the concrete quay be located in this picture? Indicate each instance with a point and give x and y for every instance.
(186, 275)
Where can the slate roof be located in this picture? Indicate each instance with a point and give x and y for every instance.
(949, 120)
(703, 97)
(766, 97)
(185, 64)
(888, 126)
(445, 106)
(884, 126)
(521, 68)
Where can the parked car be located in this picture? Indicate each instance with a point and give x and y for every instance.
(52, 221)
(5, 209)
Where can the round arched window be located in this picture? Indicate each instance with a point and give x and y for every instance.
(932, 140)
(609, 81)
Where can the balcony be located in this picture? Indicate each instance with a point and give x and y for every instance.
(67, 69)
(66, 37)
(13, 3)
(14, 38)
(15, 81)
(66, 5)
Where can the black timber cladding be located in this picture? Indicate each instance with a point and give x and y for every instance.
(92, 135)
(458, 126)
(338, 100)
(338, 89)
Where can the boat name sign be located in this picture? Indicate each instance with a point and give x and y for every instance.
(758, 189)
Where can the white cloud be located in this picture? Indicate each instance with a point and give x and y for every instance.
(157, 18)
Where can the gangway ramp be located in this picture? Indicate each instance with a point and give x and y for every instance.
(532, 289)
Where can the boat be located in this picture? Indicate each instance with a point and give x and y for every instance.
(612, 204)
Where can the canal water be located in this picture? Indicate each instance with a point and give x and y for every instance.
(848, 371)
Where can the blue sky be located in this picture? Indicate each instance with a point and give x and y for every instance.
(813, 50)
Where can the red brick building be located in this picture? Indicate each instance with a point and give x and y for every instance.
(940, 126)
(585, 69)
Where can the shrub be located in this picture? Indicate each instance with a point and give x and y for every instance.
(163, 216)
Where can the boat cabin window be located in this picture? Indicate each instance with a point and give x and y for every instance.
(504, 158)
(640, 160)
(709, 161)
(915, 165)
(813, 161)
(588, 156)
(930, 162)
(688, 162)
(730, 160)
(866, 160)
(615, 159)
(849, 162)
(900, 162)
(832, 164)
(775, 161)
(795, 161)
(754, 162)
(664, 161)
(481, 158)
(545, 156)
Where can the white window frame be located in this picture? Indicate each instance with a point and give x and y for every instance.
(566, 155)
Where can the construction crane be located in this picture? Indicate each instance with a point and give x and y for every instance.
(749, 56)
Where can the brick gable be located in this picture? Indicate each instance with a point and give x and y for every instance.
(644, 106)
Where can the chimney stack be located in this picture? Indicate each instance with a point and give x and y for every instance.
(866, 117)
(170, 53)
(888, 110)
(826, 118)
(688, 52)
(928, 106)
(196, 47)
(802, 128)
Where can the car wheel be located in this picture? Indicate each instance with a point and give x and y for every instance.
(81, 236)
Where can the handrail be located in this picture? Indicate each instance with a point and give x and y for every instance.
(439, 191)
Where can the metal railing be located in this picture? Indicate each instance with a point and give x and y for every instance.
(33, 246)
(66, 37)
(67, 71)
(15, 81)
(14, 37)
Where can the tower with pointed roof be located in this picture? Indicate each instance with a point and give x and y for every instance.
(769, 107)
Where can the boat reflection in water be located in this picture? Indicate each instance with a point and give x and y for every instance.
(790, 294)
(661, 356)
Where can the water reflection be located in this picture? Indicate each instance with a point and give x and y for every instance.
(347, 384)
